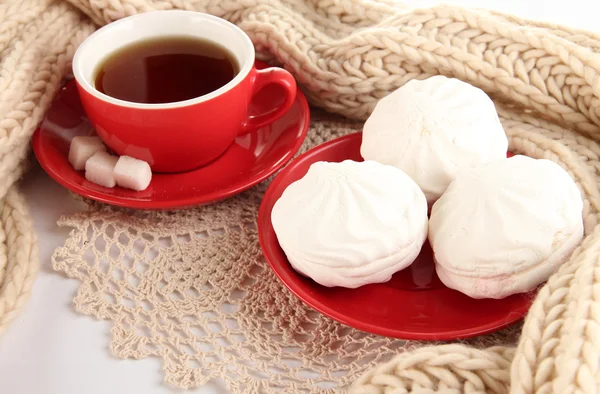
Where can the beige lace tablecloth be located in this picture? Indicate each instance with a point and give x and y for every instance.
(192, 288)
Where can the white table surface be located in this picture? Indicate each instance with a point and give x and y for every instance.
(51, 349)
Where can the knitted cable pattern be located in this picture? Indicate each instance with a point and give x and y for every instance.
(350, 53)
(18, 256)
(37, 39)
(346, 54)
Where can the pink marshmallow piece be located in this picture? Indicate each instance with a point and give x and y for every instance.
(99, 169)
(132, 173)
(82, 148)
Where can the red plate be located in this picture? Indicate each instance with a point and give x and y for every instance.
(414, 304)
(251, 158)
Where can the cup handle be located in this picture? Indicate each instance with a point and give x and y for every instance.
(263, 78)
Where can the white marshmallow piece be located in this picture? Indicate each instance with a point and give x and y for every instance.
(431, 129)
(82, 148)
(352, 223)
(132, 173)
(99, 169)
(505, 227)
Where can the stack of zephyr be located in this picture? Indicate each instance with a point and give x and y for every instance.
(498, 224)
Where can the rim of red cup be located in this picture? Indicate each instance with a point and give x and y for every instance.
(245, 68)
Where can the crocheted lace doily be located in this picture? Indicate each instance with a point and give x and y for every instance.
(193, 288)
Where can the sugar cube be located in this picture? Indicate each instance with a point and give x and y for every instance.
(99, 169)
(82, 148)
(132, 173)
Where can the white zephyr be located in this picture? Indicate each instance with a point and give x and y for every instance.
(352, 223)
(432, 128)
(505, 227)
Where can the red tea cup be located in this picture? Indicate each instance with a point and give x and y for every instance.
(183, 135)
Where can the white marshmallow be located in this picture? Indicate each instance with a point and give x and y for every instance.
(99, 169)
(82, 148)
(132, 173)
(350, 224)
(431, 129)
(505, 227)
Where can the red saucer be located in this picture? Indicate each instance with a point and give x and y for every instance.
(414, 304)
(251, 159)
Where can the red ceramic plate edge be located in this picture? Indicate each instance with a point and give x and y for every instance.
(184, 203)
(264, 226)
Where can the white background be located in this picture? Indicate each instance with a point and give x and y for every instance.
(51, 349)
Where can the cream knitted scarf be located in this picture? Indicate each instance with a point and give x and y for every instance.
(37, 39)
(347, 54)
